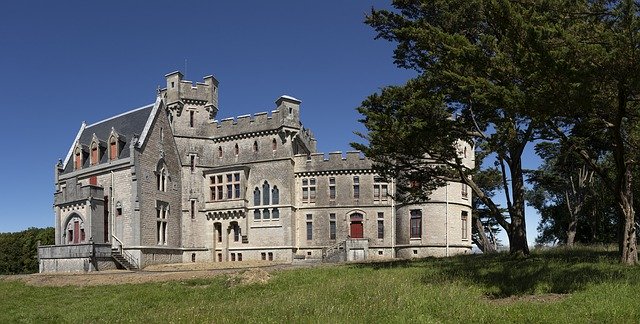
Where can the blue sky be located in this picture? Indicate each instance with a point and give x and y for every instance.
(71, 61)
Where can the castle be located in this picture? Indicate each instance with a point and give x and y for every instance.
(168, 183)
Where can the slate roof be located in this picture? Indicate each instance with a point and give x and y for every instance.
(126, 125)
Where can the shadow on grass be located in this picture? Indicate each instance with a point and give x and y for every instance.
(501, 275)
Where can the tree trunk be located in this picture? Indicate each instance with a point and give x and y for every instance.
(518, 232)
(518, 236)
(571, 231)
(628, 247)
(483, 243)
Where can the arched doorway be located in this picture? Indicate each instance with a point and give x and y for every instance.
(74, 230)
(355, 226)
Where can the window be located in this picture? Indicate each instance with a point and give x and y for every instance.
(265, 193)
(465, 229)
(255, 146)
(356, 187)
(270, 256)
(380, 228)
(233, 256)
(265, 214)
(192, 211)
(275, 213)
(256, 197)
(275, 196)
(239, 256)
(219, 257)
(263, 256)
(218, 230)
(465, 192)
(161, 179)
(256, 214)
(192, 163)
(332, 226)
(237, 149)
(309, 190)
(465, 152)
(94, 154)
(274, 144)
(113, 149)
(380, 190)
(231, 181)
(162, 212)
(191, 115)
(236, 232)
(78, 161)
(416, 223)
(332, 188)
(309, 227)
(118, 211)
(220, 151)
(193, 257)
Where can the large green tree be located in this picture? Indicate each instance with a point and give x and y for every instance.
(486, 62)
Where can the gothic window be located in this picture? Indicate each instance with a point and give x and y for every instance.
(256, 214)
(95, 153)
(275, 196)
(256, 197)
(77, 162)
(265, 193)
(266, 214)
(161, 177)
(113, 148)
(416, 224)
(275, 213)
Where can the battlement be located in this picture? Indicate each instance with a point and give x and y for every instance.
(179, 91)
(334, 161)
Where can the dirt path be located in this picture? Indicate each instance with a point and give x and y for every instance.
(156, 273)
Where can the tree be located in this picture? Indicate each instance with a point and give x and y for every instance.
(600, 78)
(18, 251)
(484, 60)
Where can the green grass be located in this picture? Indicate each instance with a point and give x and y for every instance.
(472, 288)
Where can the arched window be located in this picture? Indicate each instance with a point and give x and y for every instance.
(275, 196)
(256, 214)
(255, 146)
(220, 151)
(237, 149)
(265, 193)
(275, 214)
(78, 159)
(256, 197)
(265, 214)
(274, 144)
(161, 176)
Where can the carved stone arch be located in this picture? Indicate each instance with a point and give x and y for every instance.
(73, 232)
(356, 219)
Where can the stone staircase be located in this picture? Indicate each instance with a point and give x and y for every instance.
(335, 253)
(123, 259)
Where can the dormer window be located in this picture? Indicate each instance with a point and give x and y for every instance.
(78, 160)
(95, 154)
(113, 149)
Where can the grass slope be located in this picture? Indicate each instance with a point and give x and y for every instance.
(476, 288)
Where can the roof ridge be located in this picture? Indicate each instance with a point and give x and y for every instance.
(120, 115)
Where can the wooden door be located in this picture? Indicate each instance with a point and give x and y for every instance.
(356, 229)
(76, 232)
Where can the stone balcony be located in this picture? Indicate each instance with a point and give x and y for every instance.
(77, 193)
(226, 209)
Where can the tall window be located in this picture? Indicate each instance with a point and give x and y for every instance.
(256, 214)
(380, 225)
(218, 182)
(309, 190)
(274, 144)
(161, 179)
(465, 228)
(113, 149)
(192, 163)
(192, 210)
(275, 196)
(265, 193)
(236, 232)
(162, 212)
(220, 151)
(78, 160)
(356, 187)
(465, 192)
(332, 226)
(380, 190)
(255, 146)
(191, 115)
(275, 214)
(218, 229)
(237, 149)
(256, 197)
(94, 154)
(309, 227)
(416, 223)
(265, 214)
(332, 188)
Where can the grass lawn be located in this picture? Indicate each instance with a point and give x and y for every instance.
(558, 286)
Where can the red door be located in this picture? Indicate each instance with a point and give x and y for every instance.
(356, 229)
(76, 232)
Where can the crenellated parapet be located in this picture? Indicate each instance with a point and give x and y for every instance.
(334, 162)
(179, 93)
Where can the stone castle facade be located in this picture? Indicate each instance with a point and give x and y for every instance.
(169, 183)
